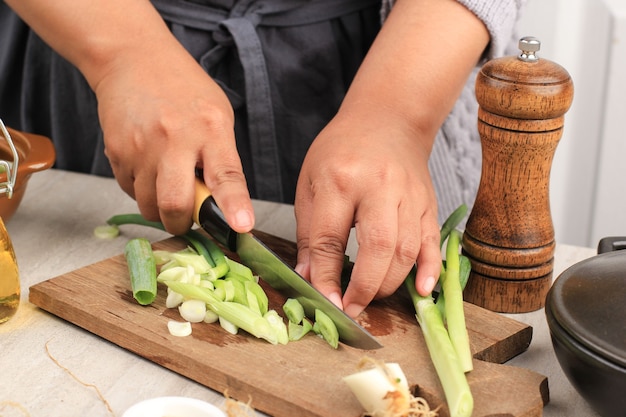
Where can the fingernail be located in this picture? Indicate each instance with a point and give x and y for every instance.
(335, 298)
(429, 284)
(243, 219)
(353, 310)
(302, 269)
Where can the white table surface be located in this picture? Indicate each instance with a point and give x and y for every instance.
(52, 234)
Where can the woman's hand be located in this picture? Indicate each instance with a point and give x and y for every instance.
(161, 114)
(163, 117)
(371, 174)
(368, 167)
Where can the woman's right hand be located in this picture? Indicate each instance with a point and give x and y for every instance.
(161, 114)
(163, 117)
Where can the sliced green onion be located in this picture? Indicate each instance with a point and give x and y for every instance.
(173, 299)
(174, 273)
(198, 262)
(179, 329)
(326, 328)
(277, 323)
(210, 317)
(255, 289)
(293, 310)
(239, 315)
(218, 271)
(194, 311)
(142, 269)
(298, 331)
(239, 270)
(227, 325)
(239, 291)
(109, 231)
(225, 288)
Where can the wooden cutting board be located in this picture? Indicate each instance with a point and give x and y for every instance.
(302, 378)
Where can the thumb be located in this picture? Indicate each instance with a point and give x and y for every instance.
(225, 179)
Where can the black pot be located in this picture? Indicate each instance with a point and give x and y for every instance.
(586, 313)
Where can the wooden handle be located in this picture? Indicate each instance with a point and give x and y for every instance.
(201, 194)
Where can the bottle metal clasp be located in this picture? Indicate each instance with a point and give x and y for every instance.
(10, 167)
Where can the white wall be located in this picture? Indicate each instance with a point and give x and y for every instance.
(578, 34)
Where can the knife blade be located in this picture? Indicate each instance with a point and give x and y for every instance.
(276, 272)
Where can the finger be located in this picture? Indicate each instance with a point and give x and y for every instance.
(406, 250)
(122, 174)
(303, 211)
(145, 194)
(376, 234)
(223, 175)
(330, 225)
(175, 190)
(429, 258)
(125, 178)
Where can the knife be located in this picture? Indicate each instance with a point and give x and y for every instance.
(273, 270)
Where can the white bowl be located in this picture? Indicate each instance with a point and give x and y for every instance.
(173, 407)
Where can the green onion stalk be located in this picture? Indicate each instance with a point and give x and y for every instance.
(443, 323)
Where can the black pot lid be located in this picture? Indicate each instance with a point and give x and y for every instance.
(588, 301)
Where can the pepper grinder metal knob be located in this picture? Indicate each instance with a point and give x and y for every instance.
(509, 235)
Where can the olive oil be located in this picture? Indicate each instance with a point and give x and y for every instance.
(9, 277)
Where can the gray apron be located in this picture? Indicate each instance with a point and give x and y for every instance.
(285, 65)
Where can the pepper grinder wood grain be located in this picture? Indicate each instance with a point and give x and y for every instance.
(509, 236)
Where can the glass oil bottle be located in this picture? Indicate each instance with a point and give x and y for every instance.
(9, 273)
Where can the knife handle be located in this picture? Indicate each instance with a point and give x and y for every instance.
(207, 215)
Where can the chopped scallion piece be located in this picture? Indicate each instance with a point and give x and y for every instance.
(109, 231)
(142, 269)
(293, 310)
(179, 329)
(326, 328)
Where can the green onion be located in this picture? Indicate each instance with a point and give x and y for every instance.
(202, 244)
(237, 314)
(226, 290)
(227, 287)
(210, 317)
(282, 334)
(293, 310)
(452, 222)
(453, 294)
(298, 331)
(142, 269)
(108, 231)
(227, 325)
(448, 347)
(255, 290)
(214, 251)
(194, 311)
(442, 352)
(326, 328)
(465, 267)
(239, 270)
(240, 295)
(179, 329)
(218, 271)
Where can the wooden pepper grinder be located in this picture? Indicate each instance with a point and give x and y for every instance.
(509, 236)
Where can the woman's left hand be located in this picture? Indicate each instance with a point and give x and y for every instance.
(371, 174)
